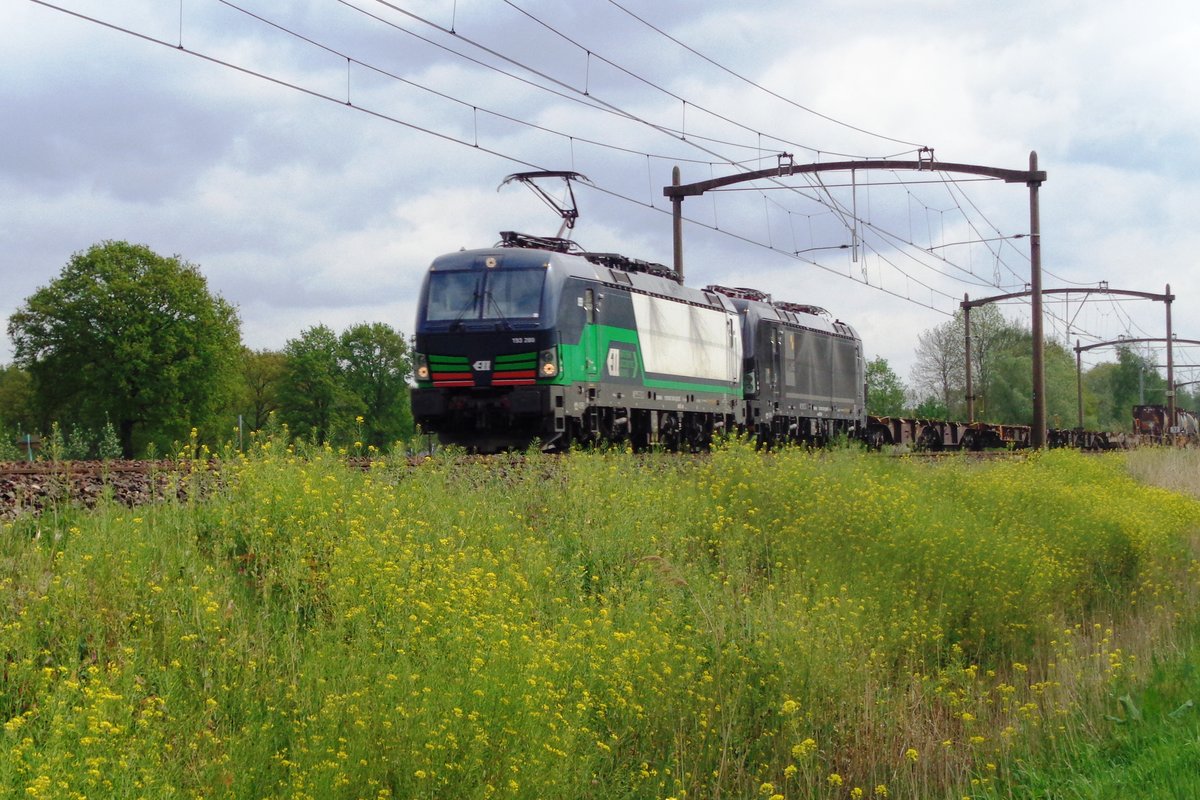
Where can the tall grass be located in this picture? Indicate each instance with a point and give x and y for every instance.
(784, 625)
(1173, 468)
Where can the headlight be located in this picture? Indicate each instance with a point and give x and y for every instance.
(421, 366)
(548, 363)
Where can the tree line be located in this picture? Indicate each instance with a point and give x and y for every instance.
(1001, 377)
(128, 352)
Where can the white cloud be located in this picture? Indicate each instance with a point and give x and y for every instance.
(304, 211)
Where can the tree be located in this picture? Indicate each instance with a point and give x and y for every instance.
(1187, 398)
(262, 373)
(1012, 385)
(885, 392)
(328, 380)
(1137, 382)
(1099, 411)
(16, 401)
(1062, 396)
(312, 394)
(1112, 389)
(375, 367)
(931, 408)
(993, 339)
(127, 335)
(938, 371)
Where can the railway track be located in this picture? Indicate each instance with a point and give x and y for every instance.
(31, 488)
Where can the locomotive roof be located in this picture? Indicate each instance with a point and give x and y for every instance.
(568, 260)
(759, 306)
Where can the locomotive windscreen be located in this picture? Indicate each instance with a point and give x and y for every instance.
(513, 294)
(453, 295)
(470, 294)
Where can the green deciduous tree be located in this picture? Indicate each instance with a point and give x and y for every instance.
(1189, 398)
(1132, 380)
(262, 376)
(1112, 388)
(1011, 385)
(885, 391)
(311, 394)
(1097, 397)
(329, 380)
(127, 335)
(931, 408)
(376, 368)
(940, 369)
(16, 402)
(994, 340)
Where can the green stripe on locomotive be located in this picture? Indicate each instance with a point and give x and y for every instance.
(516, 361)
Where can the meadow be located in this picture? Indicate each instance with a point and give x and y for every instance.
(784, 625)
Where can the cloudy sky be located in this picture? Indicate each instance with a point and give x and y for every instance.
(312, 156)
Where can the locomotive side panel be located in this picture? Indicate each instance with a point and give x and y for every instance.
(684, 341)
(598, 334)
(625, 337)
(849, 378)
(644, 360)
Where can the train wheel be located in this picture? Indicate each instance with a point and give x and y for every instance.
(694, 435)
(669, 433)
(639, 430)
(876, 437)
(929, 439)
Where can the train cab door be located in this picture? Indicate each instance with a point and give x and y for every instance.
(591, 336)
(777, 365)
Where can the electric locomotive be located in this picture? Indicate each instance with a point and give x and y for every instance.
(805, 379)
(535, 339)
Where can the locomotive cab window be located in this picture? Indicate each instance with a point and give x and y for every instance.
(513, 294)
(452, 295)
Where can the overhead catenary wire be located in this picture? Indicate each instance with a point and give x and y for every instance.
(561, 83)
(445, 96)
(756, 85)
(463, 141)
(573, 138)
(680, 133)
(589, 54)
(565, 92)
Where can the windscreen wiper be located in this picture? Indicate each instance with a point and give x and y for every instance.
(470, 304)
(499, 311)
